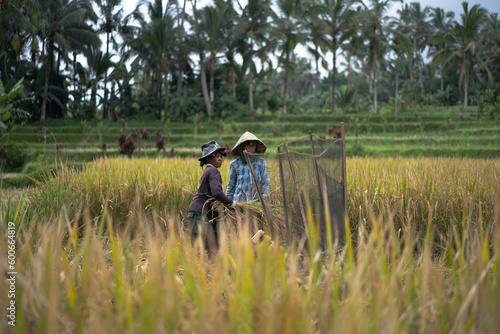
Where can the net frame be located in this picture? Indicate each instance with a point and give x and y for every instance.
(330, 193)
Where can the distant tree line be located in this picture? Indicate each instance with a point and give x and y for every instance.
(176, 59)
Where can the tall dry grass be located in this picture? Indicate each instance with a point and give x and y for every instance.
(156, 282)
(104, 251)
(411, 192)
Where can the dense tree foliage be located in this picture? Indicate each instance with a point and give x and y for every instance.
(177, 59)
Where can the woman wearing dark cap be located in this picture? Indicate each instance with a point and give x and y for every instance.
(241, 186)
(209, 189)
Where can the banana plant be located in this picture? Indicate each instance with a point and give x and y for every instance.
(8, 102)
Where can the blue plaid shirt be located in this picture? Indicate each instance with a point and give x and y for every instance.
(240, 187)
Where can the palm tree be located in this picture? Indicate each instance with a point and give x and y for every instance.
(352, 55)
(208, 26)
(232, 39)
(158, 39)
(402, 31)
(62, 26)
(110, 21)
(490, 39)
(255, 23)
(374, 20)
(340, 25)
(421, 32)
(180, 52)
(315, 29)
(464, 46)
(399, 44)
(153, 44)
(99, 63)
(287, 30)
(442, 24)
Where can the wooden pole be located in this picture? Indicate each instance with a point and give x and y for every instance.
(302, 212)
(322, 222)
(344, 174)
(261, 199)
(285, 207)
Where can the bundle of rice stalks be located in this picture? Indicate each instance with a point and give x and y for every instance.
(253, 212)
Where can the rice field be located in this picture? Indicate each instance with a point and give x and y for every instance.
(104, 248)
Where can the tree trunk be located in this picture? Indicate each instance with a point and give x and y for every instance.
(315, 86)
(112, 110)
(75, 90)
(93, 99)
(167, 94)
(410, 62)
(375, 92)
(250, 89)
(183, 62)
(50, 59)
(285, 89)
(231, 73)
(466, 94)
(348, 70)
(396, 95)
(105, 99)
(421, 70)
(212, 75)
(334, 80)
(442, 80)
(179, 81)
(204, 89)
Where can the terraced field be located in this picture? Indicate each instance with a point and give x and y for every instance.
(438, 133)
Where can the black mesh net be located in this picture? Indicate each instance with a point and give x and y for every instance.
(307, 174)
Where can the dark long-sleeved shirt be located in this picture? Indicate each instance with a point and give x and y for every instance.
(210, 187)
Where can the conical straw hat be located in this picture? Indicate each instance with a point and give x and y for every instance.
(261, 148)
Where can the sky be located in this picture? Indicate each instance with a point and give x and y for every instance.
(447, 5)
(453, 5)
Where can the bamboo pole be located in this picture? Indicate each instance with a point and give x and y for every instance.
(322, 222)
(285, 207)
(344, 175)
(302, 212)
(261, 199)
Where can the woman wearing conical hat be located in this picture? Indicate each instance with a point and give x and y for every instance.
(241, 186)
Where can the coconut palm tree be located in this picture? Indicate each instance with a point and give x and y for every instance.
(490, 37)
(232, 39)
(256, 26)
(110, 20)
(465, 47)
(288, 32)
(99, 63)
(153, 45)
(399, 44)
(208, 30)
(374, 20)
(420, 35)
(314, 26)
(442, 24)
(340, 25)
(63, 27)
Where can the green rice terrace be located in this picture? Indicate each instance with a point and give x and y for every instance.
(431, 132)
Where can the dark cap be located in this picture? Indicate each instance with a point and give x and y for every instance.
(211, 147)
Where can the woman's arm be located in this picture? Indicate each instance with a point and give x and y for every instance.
(216, 187)
(231, 186)
(264, 180)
